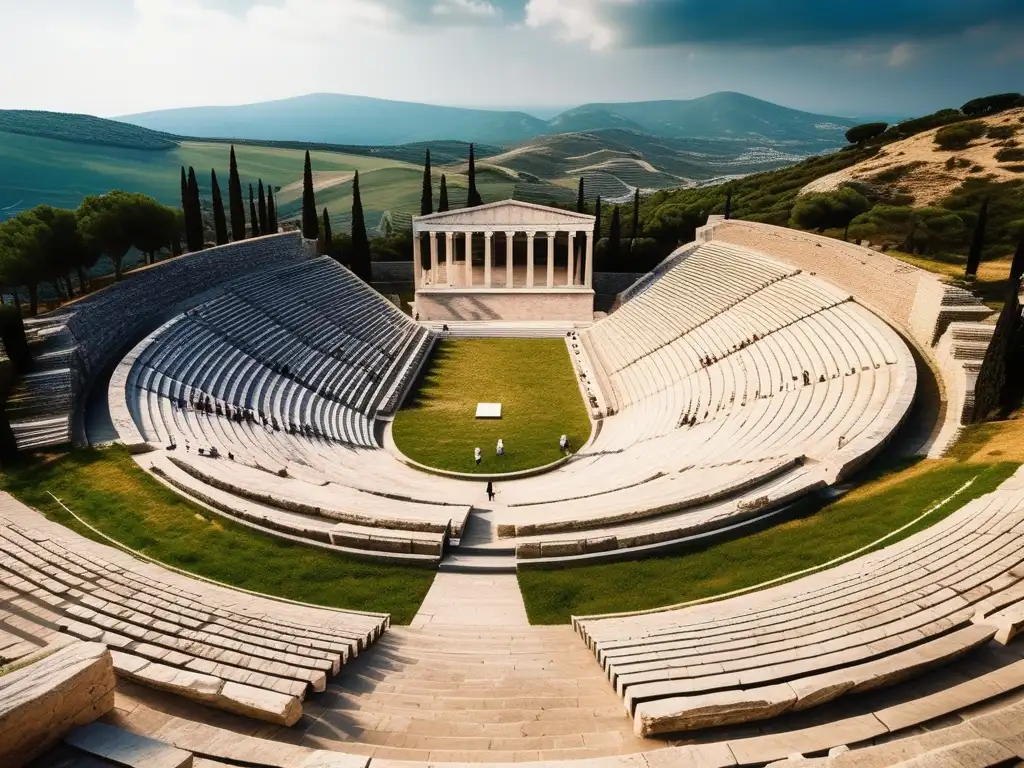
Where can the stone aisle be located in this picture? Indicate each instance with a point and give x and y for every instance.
(473, 600)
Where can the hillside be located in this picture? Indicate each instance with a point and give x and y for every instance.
(84, 129)
(918, 168)
(342, 119)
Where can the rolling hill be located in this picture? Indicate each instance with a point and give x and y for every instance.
(341, 119)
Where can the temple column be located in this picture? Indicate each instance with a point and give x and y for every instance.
(469, 259)
(570, 265)
(529, 258)
(551, 259)
(449, 265)
(417, 267)
(509, 242)
(588, 276)
(487, 259)
(433, 257)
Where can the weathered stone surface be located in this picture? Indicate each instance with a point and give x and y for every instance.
(127, 748)
(259, 703)
(191, 685)
(683, 713)
(979, 753)
(326, 759)
(42, 702)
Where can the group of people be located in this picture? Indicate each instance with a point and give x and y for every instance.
(563, 445)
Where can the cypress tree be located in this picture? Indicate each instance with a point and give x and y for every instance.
(185, 198)
(728, 205)
(254, 218)
(310, 224)
(581, 203)
(995, 383)
(614, 239)
(978, 241)
(635, 232)
(442, 202)
(328, 246)
(236, 204)
(271, 210)
(264, 220)
(427, 195)
(220, 224)
(360, 242)
(194, 216)
(1017, 265)
(597, 220)
(473, 198)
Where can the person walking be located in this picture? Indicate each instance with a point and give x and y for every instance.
(490, 491)
(477, 455)
(501, 447)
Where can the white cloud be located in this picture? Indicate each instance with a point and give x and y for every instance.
(902, 53)
(576, 20)
(476, 8)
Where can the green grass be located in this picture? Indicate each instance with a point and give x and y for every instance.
(108, 490)
(533, 379)
(883, 505)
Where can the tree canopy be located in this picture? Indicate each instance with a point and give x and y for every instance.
(865, 132)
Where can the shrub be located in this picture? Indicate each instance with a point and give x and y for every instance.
(1010, 154)
(958, 136)
(861, 133)
(829, 210)
(990, 105)
(1002, 131)
(956, 162)
(926, 123)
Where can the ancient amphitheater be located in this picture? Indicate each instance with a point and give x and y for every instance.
(752, 370)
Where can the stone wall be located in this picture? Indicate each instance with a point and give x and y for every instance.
(520, 304)
(42, 702)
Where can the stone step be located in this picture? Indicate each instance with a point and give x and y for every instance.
(459, 562)
(122, 747)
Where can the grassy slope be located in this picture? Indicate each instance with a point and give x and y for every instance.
(107, 489)
(878, 507)
(532, 379)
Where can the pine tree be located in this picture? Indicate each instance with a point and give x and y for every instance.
(427, 195)
(328, 244)
(310, 224)
(194, 216)
(635, 232)
(220, 224)
(271, 210)
(360, 242)
(728, 205)
(581, 202)
(473, 198)
(254, 217)
(995, 383)
(614, 240)
(978, 241)
(442, 203)
(262, 202)
(236, 204)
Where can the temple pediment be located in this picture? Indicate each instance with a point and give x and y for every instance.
(502, 215)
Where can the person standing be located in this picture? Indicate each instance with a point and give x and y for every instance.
(501, 447)
(490, 491)
(563, 443)
(477, 455)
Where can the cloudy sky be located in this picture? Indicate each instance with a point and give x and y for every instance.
(845, 57)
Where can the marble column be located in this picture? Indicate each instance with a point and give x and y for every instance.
(551, 259)
(529, 258)
(469, 259)
(487, 259)
(449, 256)
(510, 238)
(417, 267)
(588, 277)
(433, 258)
(570, 261)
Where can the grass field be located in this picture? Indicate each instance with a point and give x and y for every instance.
(883, 504)
(108, 490)
(533, 379)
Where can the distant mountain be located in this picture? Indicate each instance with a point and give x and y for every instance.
(339, 119)
(721, 115)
